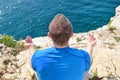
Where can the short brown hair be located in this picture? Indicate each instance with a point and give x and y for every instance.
(60, 29)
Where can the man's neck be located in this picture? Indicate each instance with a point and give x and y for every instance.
(60, 46)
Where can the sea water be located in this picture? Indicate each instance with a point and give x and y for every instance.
(20, 18)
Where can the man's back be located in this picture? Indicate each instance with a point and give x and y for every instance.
(60, 63)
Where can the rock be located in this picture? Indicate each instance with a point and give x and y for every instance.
(0, 54)
(1, 45)
(117, 10)
(8, 76)
(116, 22)
(42, 40)
(24, 65)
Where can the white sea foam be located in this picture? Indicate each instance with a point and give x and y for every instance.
(19, 1)
(1, 18)
(10, 23)
(6, 6)
(1, 12)
(14, 7)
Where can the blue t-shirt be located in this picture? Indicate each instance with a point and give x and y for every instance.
(60, 63)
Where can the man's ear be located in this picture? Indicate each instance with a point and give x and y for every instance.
(49, 35)
(71, 34)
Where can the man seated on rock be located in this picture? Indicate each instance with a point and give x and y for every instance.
(61, 62)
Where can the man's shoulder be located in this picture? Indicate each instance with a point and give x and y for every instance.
(41, 53)
(78, 52)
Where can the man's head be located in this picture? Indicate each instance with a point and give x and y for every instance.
(60, 29)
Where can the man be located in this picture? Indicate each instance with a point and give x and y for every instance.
(61, 62)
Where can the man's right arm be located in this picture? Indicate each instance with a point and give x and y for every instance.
(90, 46)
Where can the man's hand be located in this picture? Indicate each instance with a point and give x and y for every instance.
(30, 46)
(29, 42)
(28, 39)
(92, 41)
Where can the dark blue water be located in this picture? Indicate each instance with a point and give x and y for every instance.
(20, 18)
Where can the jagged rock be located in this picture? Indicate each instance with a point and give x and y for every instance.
(43, 40)
(116, 22)
(8, 76)
(0, 54)
(117, 10)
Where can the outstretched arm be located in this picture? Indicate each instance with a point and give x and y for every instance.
(31, 48)
(90, 46)
(30, 45)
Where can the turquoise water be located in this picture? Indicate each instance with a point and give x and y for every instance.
(20, 18)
